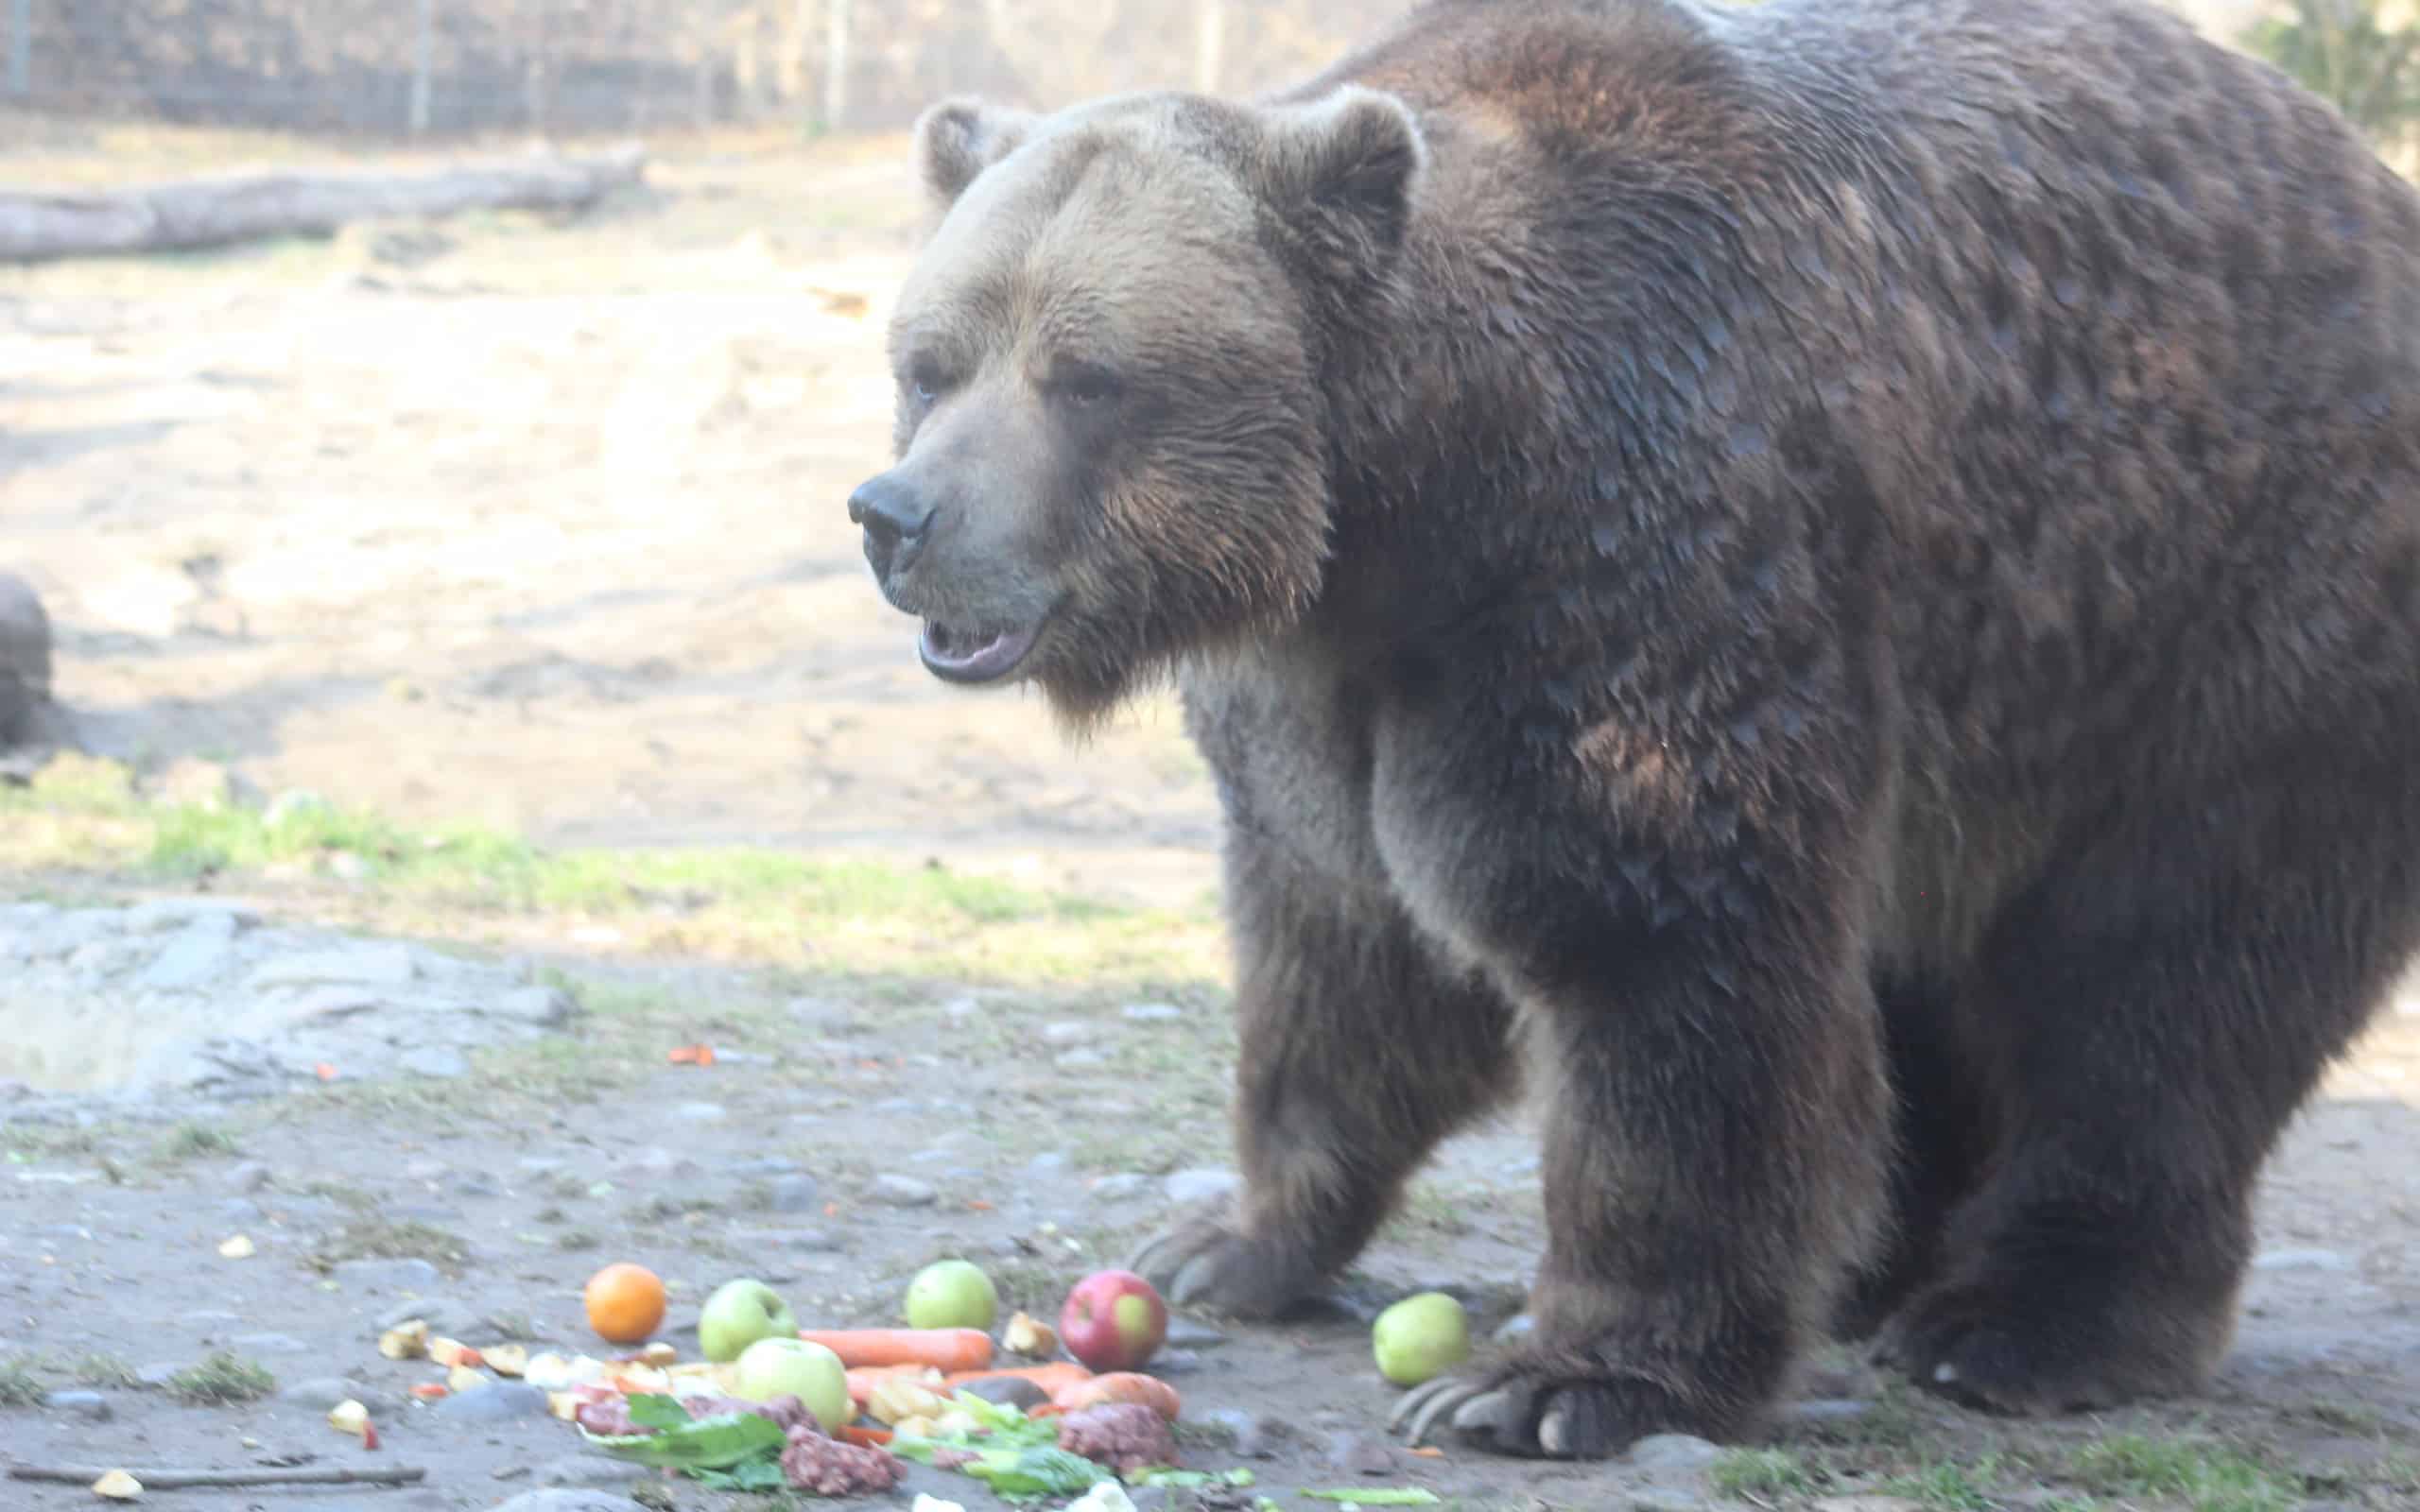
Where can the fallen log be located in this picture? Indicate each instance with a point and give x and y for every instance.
(39, 225)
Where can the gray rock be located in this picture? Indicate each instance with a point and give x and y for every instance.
(1049, 1162)
(1665, 1499)
(794, 1193)
(590, 1470)
(497, 1403)
(475, 1185)
(904, 1191)
(268, 1344)
(90, 1405)
(385, 1275)
(247, 1176)
(561, 1500)
(1065, 1032)
(363, 965)
(765, 1165)
(1674, 1451)
(439, 1061)
(540, 1007)
(2301, 1260)
(196, 953)
(156, 1374)
(240, 1210)
(1121, 1186)
(1081, 1057)
(1868, 1504)
(1200, 1182)
(699, 1112)
(1151, 1012)
(323, 1392)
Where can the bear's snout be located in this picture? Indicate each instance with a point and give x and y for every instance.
(895, 516)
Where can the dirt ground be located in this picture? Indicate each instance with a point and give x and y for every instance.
(538, 528)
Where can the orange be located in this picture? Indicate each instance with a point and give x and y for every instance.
(625, 1302)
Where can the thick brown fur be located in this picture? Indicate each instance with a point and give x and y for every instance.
(1840, 580)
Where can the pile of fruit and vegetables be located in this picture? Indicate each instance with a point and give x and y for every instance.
(1045, 1412)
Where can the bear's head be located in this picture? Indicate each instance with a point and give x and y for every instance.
(1113, 438)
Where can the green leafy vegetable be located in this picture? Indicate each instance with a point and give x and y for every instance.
(748, 1475)
(709, 1443)
(653, 1409)
(1004, 1424)
(1036, 1471)
(1359, 1496)
(1177, 1480)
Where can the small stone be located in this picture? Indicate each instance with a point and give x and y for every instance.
(540, 1007)
(385, 1275)
(1519, 1326)
(765, 1165)
(1184, 1333)
(589, 1469)
(542, 1164)
(1359, 1455)
(1252, 1434)
(1065, 1032)
(1665, 1499)
(346, 865)
(699, 1112)
(904, 1191)
(1201, 1182)
(1120, 1187)
(495, 1402)
(2301, 1260)
(1079, 1057)
(477, 1186)
(293, 803)
(247, 1176)
(157, 1374)
(323, 1392)
(439, 1061)
(563, 1500)
(1151, 1012)
(1823, 1412)
(442, 1314)
(793, 1193)
(240, 1210)
(268, 1344)
(1049, 1162)
(90, 1405)
(1868, 1504)
(1673, 1451)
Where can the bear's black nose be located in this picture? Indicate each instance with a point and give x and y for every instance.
(895, 516)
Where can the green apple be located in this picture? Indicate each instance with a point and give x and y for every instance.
(1420, 1338)
(952, 1294)
(795, 1367)
(741, 1313)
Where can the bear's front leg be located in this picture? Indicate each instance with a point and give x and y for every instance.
(1360, 1052)
(1689, 961)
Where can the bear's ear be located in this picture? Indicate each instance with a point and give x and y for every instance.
(1353, 157)
(957, 139)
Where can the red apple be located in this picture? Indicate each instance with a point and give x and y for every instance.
(1114, 1321)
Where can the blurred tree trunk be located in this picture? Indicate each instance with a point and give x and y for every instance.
(836, 65)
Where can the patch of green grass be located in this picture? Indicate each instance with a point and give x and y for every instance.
(664, 1208)
(847, 917)
(1745, 1473)
(577, 1240)
(1951, 1486)
(188, 1140)
(19, 1388)
(106, 1370)
(2205, 1475)
(220, 1379)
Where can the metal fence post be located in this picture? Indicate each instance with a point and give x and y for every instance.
(21, 48)
(424, 64)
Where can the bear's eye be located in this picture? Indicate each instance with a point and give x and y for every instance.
(926, 380)
(1083, 384)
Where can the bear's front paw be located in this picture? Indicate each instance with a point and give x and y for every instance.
(1205, 1260)
(1522, 1407)
(2005, 1352)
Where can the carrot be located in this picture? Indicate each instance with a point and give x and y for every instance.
(1049, 1377)
(941, 1349)
(869, 1437)
(1119, 1387)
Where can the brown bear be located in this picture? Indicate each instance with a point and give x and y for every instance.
(1839, 579)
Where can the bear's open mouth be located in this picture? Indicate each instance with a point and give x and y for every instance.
(961, 654)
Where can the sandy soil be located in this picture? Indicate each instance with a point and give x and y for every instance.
(541, 526)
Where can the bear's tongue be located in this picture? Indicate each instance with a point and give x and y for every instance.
(961, 655)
